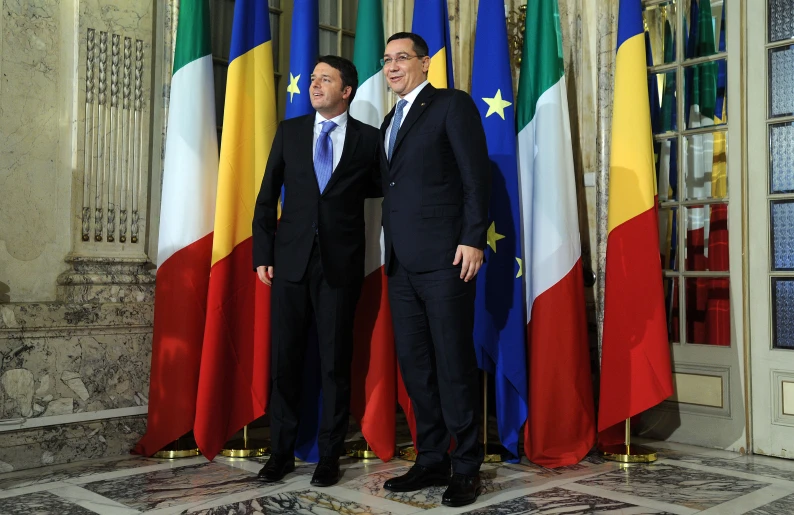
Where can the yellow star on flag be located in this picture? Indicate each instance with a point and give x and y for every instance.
(520, 268)
(496, 105)
(292, 89)
(493, 236)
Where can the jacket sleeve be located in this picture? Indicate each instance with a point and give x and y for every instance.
(467, 137)
(266, 209)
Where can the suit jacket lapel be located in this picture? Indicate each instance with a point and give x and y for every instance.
(305, 147)
(417, 108)
(348, 149)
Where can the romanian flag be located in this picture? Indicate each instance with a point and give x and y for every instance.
(374, 370)
(499, 324)
(431, 21)
(233, 382)
(635, 360)
(185, 242)
(560, 427)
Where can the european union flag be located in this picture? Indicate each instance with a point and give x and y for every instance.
(500, 315)
(304, 49)
(303, 52)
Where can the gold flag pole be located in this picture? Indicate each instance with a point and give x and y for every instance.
(494, 453)
(627, 453)
(182, 447)
(245, 447)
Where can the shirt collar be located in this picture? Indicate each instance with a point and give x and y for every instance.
(410, 97)
(340, 121)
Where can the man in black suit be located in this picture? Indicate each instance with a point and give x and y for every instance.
(313, 258)
(436, 176)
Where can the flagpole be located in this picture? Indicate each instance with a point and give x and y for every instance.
(626, 453)
(245, 447)
(182, 447)
(494, 453)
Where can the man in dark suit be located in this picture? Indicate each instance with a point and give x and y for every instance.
(436, 177)
(313, 258)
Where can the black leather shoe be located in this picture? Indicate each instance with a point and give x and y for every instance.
(327, 472)
(462, 490)
(277, 466)
(417, 478)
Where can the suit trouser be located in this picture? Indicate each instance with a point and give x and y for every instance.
(292, 304)
(433, 315)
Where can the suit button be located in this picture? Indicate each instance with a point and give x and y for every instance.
(391, 185)
(314, 225)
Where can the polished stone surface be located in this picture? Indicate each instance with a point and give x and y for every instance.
(685, 480)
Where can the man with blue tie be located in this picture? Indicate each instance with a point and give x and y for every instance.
(313, 258)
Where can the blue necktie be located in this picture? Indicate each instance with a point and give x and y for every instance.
(395, 125)
(324, 155)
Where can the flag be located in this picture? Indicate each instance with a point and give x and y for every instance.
(304, 49)
(431, 21)
(635, 358)
(374, 368)
(499, 323)
(303, 52)
(235, 363)
(185, 242)
(560, 427)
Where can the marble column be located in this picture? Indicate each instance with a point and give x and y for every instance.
(607, 30)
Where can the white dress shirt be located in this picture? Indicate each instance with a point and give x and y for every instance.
(410, 97)
(337, 135)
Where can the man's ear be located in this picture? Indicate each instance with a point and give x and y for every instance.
(346, 91)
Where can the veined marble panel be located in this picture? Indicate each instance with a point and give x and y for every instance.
(493, 480)
(560, 500)
(64, 374)
(776, 468)
(675, 485)
(54, 318)
(303, 502)
(184, 485)
(782, 506)
(53, 445)
(72, 471)
(40, 503)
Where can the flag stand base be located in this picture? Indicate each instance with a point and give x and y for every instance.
(244, 447)
(180, 448)
(362, 451)
(627, 453)
(494, 453)
(407, 453)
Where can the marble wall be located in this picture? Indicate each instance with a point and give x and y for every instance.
(75, 312)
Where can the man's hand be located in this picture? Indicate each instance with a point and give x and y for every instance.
(265, 274)
(472, 261)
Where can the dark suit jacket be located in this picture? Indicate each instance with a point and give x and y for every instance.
(437, 187)
(337, 215)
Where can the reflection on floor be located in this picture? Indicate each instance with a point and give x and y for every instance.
(685, 480)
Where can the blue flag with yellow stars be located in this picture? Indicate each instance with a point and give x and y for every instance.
(303, 52)
(500, 316)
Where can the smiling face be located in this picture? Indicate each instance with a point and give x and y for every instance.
(406, 70)
(328, 96)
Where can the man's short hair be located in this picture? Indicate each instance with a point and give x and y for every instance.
(420, 45)
(347, 70)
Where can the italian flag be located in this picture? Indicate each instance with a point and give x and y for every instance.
(185, 242)
(560, 428)
(374, 383)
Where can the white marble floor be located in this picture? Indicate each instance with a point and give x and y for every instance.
(685, 480)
